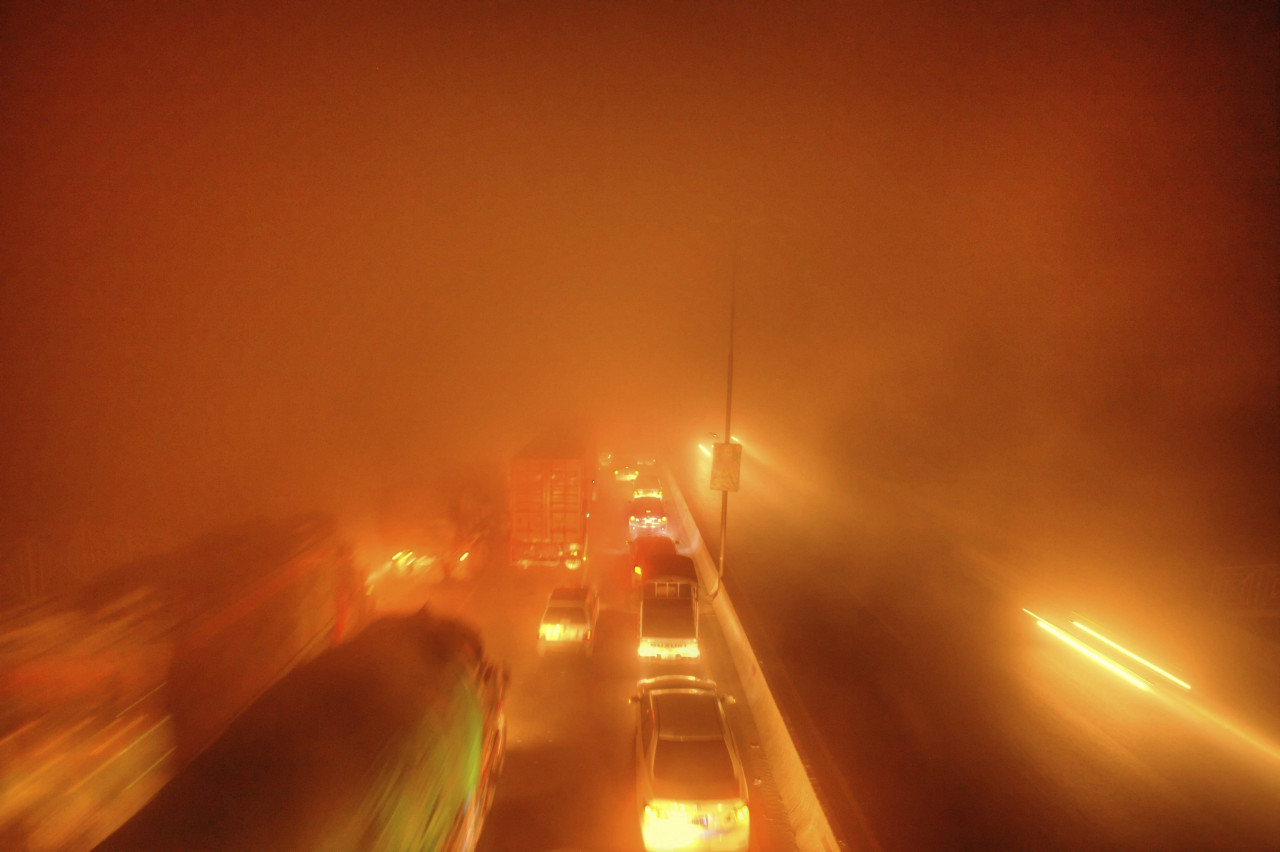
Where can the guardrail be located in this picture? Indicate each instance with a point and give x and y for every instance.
(808, 821)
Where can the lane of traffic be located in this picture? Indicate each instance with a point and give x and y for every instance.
(570, 775)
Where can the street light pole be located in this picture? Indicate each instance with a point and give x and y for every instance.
(728, 413)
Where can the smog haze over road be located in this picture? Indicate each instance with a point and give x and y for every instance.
(1010, 268)
(1025, 254)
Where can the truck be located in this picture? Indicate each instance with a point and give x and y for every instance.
(550, 486)
(108, 689)
(668, 608)
(393, 741)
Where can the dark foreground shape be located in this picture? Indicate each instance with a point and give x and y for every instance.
(389, 742)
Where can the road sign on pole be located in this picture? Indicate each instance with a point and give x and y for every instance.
(726, 466)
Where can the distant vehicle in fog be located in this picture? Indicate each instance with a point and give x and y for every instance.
(646, 485)
(569, 621)
(647, 516)
(550, 486)
(691, 789)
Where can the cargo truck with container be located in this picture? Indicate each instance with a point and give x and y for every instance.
(549, 493)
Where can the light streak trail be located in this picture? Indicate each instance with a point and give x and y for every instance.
(1123, 650)
(1100, 659)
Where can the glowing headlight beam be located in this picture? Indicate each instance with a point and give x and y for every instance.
(1092, 654)
(1129, 653)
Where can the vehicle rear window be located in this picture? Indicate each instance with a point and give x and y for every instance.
(646, 505)
(570, 614)
(688, 715)
(694, 769)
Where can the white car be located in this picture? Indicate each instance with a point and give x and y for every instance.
(646, 485)
(569, 621)
(648, 517)
(691, 789)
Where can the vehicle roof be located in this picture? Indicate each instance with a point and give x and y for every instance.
(569, 594)
(646, 504)
(688, 714)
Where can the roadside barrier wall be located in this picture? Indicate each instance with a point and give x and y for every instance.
(808, 821)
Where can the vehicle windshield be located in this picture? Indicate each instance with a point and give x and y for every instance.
(568, 613)
(694, 769)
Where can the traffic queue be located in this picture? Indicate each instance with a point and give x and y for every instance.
(691, 788)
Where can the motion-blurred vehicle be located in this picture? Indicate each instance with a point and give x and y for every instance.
(646, 485)
(691, 789)
(669, 609)
(646, 548)
(625, 473)
(394, 740)
(569, 621)
(549, 488)
(110, 689)
(423, 536)
(647, 517)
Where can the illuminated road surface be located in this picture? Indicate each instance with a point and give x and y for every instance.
(569, 780)
(930, 702)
